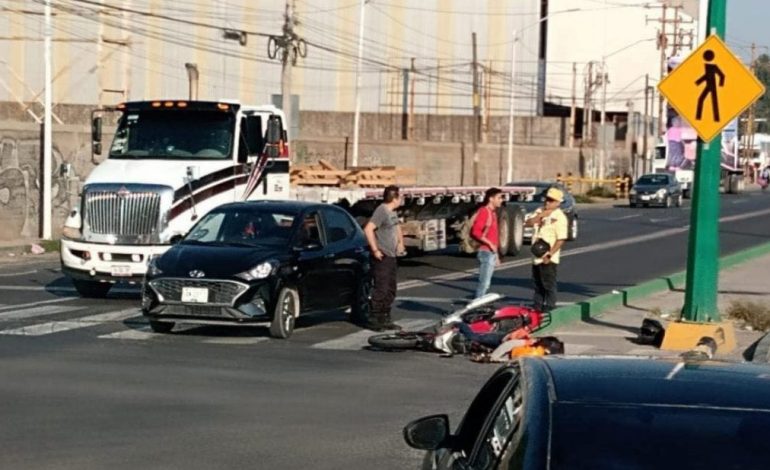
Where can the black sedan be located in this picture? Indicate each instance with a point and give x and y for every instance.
(607, 413)
(660, 189)
(260, 263)
(567, 206)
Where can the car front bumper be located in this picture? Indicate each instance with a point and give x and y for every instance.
(647, 199)
(244, 303)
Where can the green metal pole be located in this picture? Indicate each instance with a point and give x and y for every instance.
(700, 300)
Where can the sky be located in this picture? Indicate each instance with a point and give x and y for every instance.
(747, 22)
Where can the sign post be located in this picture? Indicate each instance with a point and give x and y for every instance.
(709, 89)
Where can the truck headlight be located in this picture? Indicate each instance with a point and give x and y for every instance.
(260, 271)
(661, 193)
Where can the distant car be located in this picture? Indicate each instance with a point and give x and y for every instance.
(260, 263)
(607, 413)
(656, 189)
(568, 206)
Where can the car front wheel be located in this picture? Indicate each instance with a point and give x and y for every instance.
(285, 313)
(360, 309)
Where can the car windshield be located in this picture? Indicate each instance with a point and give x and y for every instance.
(242, 227)
(173, 134)
(632, 436)
(653, 179)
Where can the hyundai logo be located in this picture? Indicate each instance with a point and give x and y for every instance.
(197, 273)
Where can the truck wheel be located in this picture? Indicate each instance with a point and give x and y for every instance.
(504, 231)
(92, 289)
(285, 313)
(515, 229)
(686, 193)
(161, 326)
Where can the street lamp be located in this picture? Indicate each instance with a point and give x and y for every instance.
(513, 81)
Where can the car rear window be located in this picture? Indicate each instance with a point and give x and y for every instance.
(586, 436)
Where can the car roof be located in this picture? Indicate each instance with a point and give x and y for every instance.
(637, 380)
(290, 206)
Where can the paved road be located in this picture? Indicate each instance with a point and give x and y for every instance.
(85, 384)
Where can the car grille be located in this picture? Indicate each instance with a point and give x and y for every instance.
(223, 293)
(130, 214)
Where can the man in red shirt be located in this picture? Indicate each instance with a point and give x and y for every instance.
(484, 231)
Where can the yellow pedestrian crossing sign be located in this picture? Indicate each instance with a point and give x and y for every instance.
(710, 88)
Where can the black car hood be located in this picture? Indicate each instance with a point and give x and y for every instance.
(215, 261)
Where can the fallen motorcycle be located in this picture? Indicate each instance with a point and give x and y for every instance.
(480, 320)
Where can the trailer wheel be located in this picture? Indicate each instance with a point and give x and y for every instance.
(504, 231)
(515, 229)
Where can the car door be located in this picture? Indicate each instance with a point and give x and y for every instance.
(314, 265)
(344, 253)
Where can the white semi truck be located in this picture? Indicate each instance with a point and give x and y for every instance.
(171, 162)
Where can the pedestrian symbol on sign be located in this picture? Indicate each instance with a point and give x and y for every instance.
(709, 77)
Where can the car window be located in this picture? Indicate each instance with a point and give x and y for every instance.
(242, 226)
(479, 412)
(500, 433)
(310, 231)
(337, 225)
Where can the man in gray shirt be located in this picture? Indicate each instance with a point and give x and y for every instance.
(386, 242)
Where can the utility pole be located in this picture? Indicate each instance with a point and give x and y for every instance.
(662, 44)
(286, 62)
(487, 102)
(511, 121)
(411, 100)
(588, 108)
(646, 133)
(476, 114)
(357, 116)
(405, 107)
(45, 233)
(573, 109)
(700, 302)
(603, 118)
(752, 111)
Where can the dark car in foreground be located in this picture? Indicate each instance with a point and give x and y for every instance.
(567, 206)
(260, 263)
(661, 189)
(607, 413)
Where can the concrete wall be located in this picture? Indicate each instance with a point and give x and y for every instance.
(436, 163)
(445, 163)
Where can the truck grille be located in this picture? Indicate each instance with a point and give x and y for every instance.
(122, 214)
(222, 293)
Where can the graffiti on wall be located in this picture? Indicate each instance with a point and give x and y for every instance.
(20, 187)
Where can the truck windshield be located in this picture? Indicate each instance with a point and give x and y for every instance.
(174, 134)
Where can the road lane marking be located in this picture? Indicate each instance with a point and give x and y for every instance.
(625, 217)
(359, 339)
(575, 349)
(41, 302)
(414, 283)
(52, 327)
(119, 290)
(664, 219)
(23, 273)
(237, 340)
(36, 312)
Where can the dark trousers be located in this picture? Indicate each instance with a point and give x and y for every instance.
(384, 292)
(544, 280)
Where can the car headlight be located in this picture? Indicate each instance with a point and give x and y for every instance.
(152, 268)
(260, 271)
(661, 192)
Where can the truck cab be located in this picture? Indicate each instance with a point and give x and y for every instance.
(169, 163)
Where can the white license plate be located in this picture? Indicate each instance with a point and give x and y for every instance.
(120, 271)
(645, 198)
(197, 295)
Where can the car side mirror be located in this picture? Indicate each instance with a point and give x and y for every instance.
(175, 239)
(428, 433)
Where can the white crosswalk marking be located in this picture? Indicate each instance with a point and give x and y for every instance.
(359, 339)
(36, 312)
(67, 325)
(141, 333)
(237, 340)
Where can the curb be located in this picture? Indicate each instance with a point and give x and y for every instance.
(595, 306)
